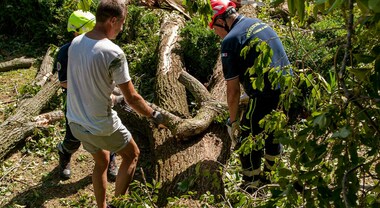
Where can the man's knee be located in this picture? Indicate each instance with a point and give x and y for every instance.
(101, 159)
(131, 151)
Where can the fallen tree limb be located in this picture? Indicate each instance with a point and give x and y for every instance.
(46, 69)
(23, 122)
(17, 63)
(48, 118)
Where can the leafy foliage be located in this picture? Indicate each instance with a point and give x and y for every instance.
(329, 153)
(27, 25)
(138, 40)
(201, 8)
(200, 49)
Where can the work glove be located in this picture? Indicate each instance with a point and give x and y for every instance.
(157, 117)
(233, 130)
(117, 99)
(244, 99)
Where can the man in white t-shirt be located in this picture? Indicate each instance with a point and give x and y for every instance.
(95, 66)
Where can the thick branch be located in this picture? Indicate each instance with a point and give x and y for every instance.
(22, 123)
(46, 68)
(196, 88)
(17, 63)
(166, 4)
(48, 118)
(169, 93)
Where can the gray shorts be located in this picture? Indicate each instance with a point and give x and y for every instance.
(92, 143)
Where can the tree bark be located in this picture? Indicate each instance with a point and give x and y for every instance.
(23, 122)
(169, 93)
(17, 63)
(193, 147)
(46, 69)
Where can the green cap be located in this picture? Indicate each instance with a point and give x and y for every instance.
(81, 22)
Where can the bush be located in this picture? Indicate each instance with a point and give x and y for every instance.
(200, 48)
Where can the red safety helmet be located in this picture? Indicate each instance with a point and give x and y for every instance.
(219, 7)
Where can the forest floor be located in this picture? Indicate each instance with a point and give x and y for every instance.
(29, 176)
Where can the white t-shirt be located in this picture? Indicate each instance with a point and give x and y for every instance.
(94, 68)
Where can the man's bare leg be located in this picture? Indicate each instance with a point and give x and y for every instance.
(99, 177)
(130, 155)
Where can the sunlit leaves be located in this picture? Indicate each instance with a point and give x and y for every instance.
(261, 64)
(84, 5)
(201, 7)
(342, 132)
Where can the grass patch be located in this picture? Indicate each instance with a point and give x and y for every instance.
(10, 85)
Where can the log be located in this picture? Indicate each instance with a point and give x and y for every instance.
(17, 63)
(46, 69)
(21, 125)
(192, 146)
(170, 94)
(49, 118)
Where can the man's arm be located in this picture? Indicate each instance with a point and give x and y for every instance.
(134, 99)
(64, 85)
(233, 98)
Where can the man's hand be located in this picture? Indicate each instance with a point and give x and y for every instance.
(233, 129)
(117, 99)
(157, 117)
(244, 99)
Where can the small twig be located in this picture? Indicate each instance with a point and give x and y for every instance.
(13, 168)
(144, 179)
(15, 89)
(344, 184)
(263, 187)
(8, 102)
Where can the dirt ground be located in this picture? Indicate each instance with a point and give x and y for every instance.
(28, 180)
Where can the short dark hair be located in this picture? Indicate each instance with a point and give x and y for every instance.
(110, 8)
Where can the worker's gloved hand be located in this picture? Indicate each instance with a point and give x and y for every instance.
(157, 117)
(117, 99)
(233, 129)
(244, 99)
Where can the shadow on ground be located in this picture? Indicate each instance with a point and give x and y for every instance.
(50, 188)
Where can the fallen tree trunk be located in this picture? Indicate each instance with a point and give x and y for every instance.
(46, 69)
(193, 147)
(17, 63)
(23, 122)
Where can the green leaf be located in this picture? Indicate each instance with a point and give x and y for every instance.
(362, 58)
(84, 5)
(363, 5)
(275, 3)
(292, 6)
(342, 133)
(320, 2)
(184, 185)
(313, 163)
(374, 5)
(301, 10)
(377, 169)
(320, 120)
(336, 4)
(361, 73)
(308, 175)
(284, 172)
